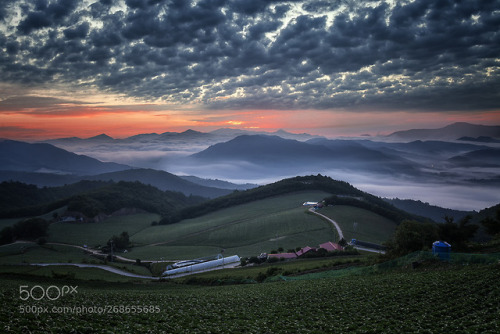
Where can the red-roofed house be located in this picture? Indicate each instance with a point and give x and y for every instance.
(305, 250)
(330, 246)
(283, 256)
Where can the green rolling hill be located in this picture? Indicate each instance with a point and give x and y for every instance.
(245, 223)
(246, 229)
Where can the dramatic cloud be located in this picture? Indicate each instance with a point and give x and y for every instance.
(260, 54)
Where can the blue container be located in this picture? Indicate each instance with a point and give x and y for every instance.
(442, 249)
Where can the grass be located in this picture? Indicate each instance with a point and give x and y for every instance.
(63, 274)
(370, 227)
(20, 253)
(294, 267)
(156, 253)
(409, 301)
(94, 234)
(34, 253)
(245, 230)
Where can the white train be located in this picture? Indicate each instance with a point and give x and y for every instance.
(196, 265)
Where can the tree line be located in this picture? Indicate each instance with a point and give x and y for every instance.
(411, 235)
(295, 184)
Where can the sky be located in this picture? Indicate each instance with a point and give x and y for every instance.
(334, 68)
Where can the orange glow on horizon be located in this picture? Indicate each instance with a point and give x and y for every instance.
(88, 121)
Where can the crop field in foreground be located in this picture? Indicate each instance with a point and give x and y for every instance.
(452, 299)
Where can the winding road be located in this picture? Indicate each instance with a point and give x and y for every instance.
(128, 274)
(337, 227)
(341, 235)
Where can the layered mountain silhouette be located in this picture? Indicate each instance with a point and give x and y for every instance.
(46, 165)
(450, 132)
(273, 152)
(459, 154)
(163, 181)
(25, 157)
(489, 157)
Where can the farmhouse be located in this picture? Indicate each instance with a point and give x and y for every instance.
(283, 256)
(329, 246)
(305, 250)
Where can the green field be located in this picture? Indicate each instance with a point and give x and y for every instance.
(34, 253)
(456, 299)
(294, 268)
(370, 227)
(66, 274)
(246, 230)
(25, 253)
(93, 234)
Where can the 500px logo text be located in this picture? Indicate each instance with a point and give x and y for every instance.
(52, 292)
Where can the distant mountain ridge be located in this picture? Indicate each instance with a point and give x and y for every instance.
(260, 149)
(163, 181)
(46, 165)
(433, 212)
(450, 132)
(222, 134)
(276, 153)
(40, 157)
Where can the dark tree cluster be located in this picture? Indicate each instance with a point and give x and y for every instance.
(411, 236)
(28, 229)
(89, 198)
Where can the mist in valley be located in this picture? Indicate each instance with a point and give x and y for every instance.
(453, 174)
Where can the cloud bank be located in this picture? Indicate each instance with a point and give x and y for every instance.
(260, 54)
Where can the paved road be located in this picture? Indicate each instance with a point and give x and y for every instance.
(115, 270)
(341, 235)
(128, 274)
(339, 231)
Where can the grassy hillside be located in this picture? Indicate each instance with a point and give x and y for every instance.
(245, 223)
(246, 229)
(370, 226)
(286, 186)
(93, 234)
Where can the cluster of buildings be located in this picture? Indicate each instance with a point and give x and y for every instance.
(329, 246)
